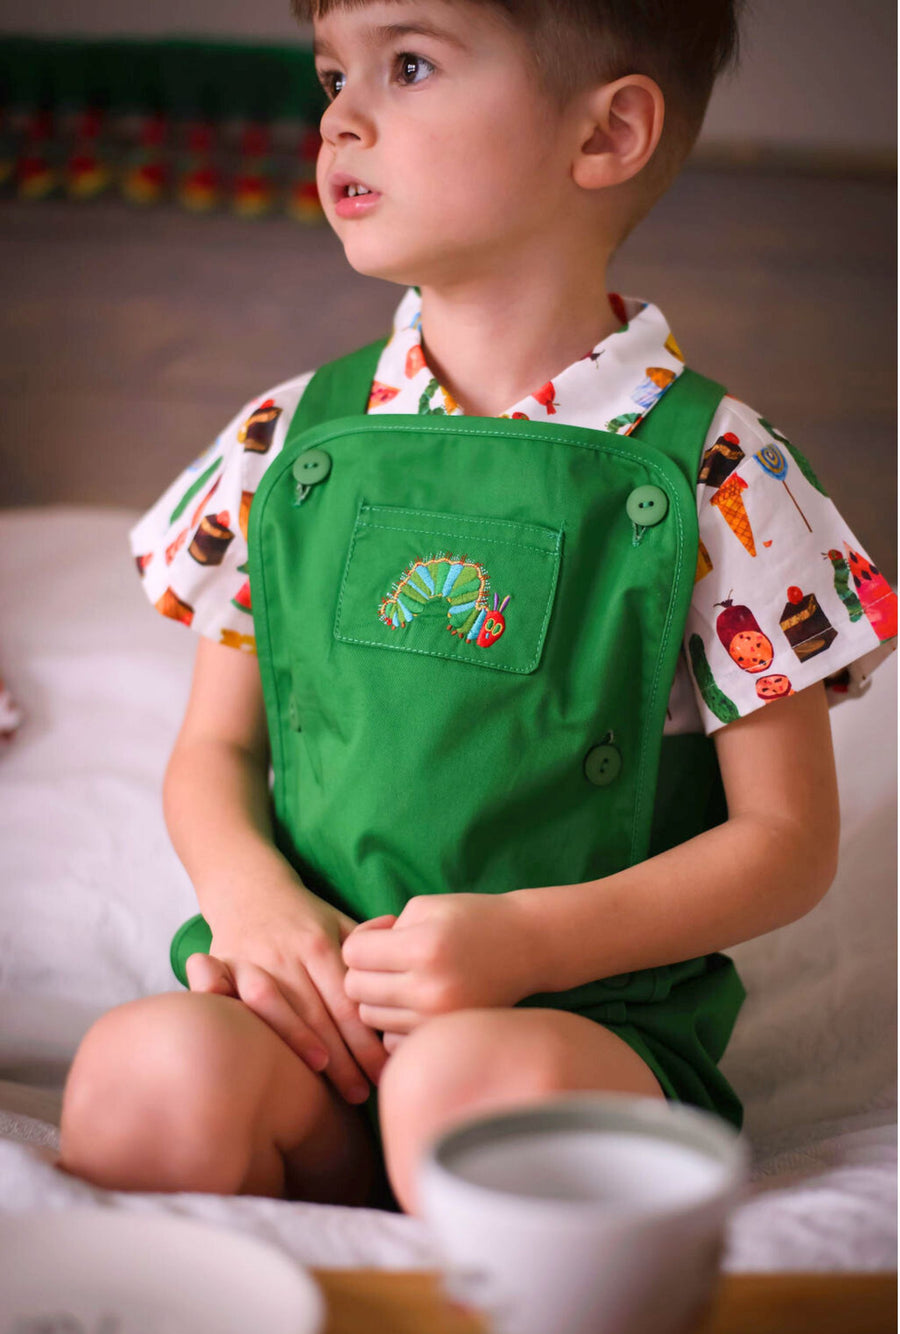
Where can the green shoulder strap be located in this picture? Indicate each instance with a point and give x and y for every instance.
(680, 421)
(339, 388)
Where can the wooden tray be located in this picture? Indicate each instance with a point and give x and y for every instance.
(377, 1301)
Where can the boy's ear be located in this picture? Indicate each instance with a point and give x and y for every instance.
(620, 127)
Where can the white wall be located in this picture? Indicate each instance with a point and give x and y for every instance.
(818, 75)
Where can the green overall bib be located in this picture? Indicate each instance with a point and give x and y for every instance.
(467, 631)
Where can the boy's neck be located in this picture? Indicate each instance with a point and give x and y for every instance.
(490, 344)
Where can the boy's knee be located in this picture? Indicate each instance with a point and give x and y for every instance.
(469, 1056)
(152, 1102)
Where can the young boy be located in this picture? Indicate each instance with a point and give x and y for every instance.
(468, 887)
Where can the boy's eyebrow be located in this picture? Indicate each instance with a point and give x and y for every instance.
(389, 32)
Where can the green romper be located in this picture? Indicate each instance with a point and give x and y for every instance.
(467, 631)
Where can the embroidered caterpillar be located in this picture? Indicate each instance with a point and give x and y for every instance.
(461, 582)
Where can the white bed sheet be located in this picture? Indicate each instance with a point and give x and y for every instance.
(91, 892)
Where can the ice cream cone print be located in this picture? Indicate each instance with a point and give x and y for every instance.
(657, 382)
(672, 346)
(730, 504)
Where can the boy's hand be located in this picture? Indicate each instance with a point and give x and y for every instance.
(444, 952)
(285, 964)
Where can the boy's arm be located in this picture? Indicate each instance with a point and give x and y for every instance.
(771, 861)
(275, 945)
(768, 864)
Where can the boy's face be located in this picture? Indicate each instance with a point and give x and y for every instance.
(436, 109)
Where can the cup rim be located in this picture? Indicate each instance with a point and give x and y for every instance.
(693, 1127)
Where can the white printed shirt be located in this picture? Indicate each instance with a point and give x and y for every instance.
(784, 595)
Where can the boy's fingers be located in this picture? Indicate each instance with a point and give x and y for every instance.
(260, 992)
(376, 949)
(362, 1042)
(300, 1015)
(386, 920)
(207, 973)
(387, 1018)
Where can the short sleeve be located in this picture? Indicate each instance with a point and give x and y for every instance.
(191, 546)
(784, 594)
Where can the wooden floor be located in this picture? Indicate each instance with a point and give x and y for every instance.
(128, 338)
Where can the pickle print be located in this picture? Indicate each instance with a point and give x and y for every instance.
(715, 699)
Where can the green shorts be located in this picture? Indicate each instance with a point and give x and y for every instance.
(678, 1018)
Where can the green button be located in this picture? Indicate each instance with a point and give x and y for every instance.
(647, 505)
(294, 715)
(312, 467)
(602, 765)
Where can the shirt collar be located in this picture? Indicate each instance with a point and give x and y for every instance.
(611, 388)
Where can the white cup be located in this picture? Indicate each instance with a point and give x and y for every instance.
(585, 1214)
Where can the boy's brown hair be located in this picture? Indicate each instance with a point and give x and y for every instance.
(683, 45)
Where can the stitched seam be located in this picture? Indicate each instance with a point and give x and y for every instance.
(484, 521)
(654, 689)
(441, 425)
(549, 552)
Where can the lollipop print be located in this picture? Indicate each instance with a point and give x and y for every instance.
(772, 461)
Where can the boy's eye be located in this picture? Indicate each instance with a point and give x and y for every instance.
(332, 81)
(413, 69)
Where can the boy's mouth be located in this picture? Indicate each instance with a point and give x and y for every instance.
(349, 187)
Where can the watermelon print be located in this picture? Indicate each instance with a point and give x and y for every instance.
(381, 394)
(879, 601)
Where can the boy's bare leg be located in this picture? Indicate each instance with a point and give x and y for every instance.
(470, 1061)
(193, 1092)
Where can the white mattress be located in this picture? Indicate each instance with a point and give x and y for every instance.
(91, 892)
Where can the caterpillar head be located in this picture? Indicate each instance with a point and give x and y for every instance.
(493, 625)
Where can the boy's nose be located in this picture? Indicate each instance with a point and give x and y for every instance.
(345, 119)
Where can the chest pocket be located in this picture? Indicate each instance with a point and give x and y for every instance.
(461, 587)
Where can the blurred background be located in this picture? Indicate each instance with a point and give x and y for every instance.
(142, 312)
